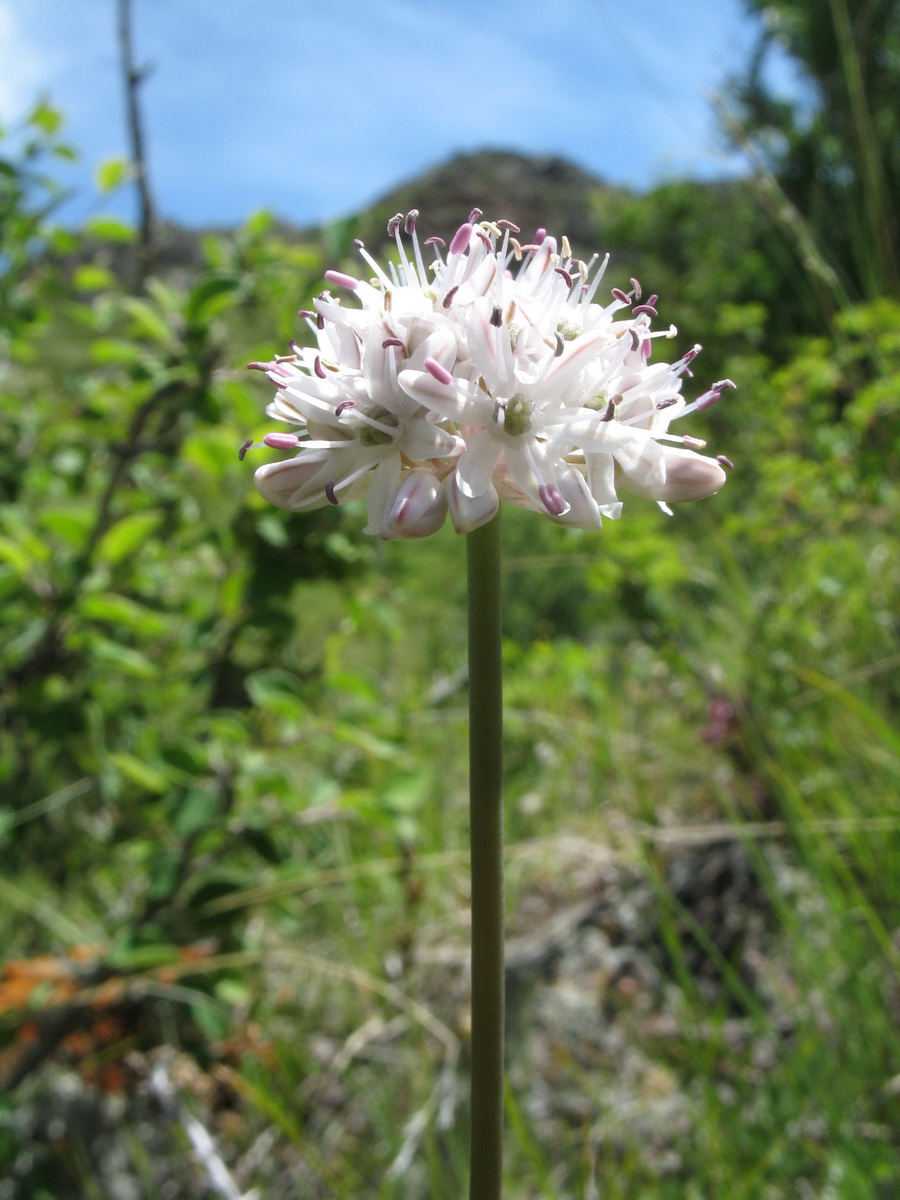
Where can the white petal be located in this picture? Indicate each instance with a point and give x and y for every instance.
(295, 483)
(476, 464)
(601, 470)
(582, 512)
(423, 341)
(445, 399)
(470, 512)
(422, 439)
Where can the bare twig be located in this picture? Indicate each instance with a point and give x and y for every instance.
(133, 77)
(221, 1181)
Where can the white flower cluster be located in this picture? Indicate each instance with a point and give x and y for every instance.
(489, 374)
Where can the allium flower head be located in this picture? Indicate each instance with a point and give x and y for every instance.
(490, 371)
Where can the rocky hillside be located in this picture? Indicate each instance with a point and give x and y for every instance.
(532, 191)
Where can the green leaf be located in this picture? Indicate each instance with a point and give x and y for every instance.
(71, 527)
(111, 229)
(267, 688)
(63, 241)
(140, 772)
(123, 612)
(92, 279)
(163, 873)
(16, 556)
(112, 173)
(127, 535)
(212, 451)
(148, 321)
(233, 992)
(258, 223)
(129, 661)
(271, 529)
(211, 296)
(46, 118)
(195, 812)
(114, 350)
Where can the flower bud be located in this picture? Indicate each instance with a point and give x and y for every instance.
(688, 476)
(417, 507)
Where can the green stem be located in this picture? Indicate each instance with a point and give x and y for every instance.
(486, 834)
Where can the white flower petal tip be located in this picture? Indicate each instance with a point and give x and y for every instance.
(688, 476)
(470, 512)
(489, 369)
(416, 509)
(290, 484)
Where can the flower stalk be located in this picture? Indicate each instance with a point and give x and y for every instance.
(486, 836)
(495, 372)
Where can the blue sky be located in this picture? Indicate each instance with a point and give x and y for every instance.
(313, 109)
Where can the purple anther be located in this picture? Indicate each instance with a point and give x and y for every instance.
(618, 294)
(320, 321)
(504, 224)
(343, 406)
(552, 500)
(497, 316)
(539, 235)
(484, 237)
(394, 224)
(666, 403)
(281, 441)
(637, 289)
(690, 355)
(342, 280)
(652, 299)
(692, 443)
(438, 371)
(359, 244)
(565, 274)
(461, 239)
(646, 348)
(713, 394)
(435, 241)
(392, 341)
(725, 461)
(318, 368)
(329, 492)
(307, 314)
(560, 345)
(411, 217)
(474, 215)
(610, 411)
(645, 308)
(448, 299)
(635, 340)
(245, 446)
(295, 349)
(259, 366)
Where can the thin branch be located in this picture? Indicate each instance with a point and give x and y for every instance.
(132, 78)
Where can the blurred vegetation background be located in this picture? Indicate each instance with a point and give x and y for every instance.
(233, 897)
